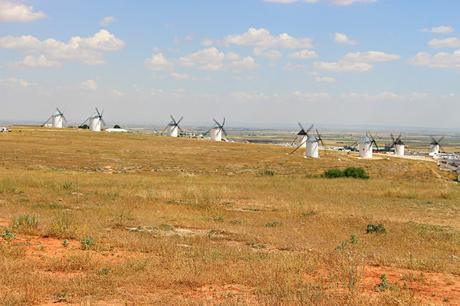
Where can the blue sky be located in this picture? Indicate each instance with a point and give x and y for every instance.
(350, 62)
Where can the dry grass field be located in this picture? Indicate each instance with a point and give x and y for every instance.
(105, 219)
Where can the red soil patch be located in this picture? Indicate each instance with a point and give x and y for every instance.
(4, 222)
(437, 288)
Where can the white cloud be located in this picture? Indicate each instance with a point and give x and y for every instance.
(263, 39)
(179, 76)
(342, 38)
(439, 60)
(14, 11)
(206, 59)
(89, 50)
(158, 62)
(281, 1)
(212, 59)
(39, 61)
(310, 96)
(324, 79)
(440, 30)
(118, 93)
(451, 42)
(342, 66)
(303, 54)
(371, 57)
(89, 85)
(356, 62)
(106, 21)
(272, 55)
(242, 63)
(15, 82)
(351, 2)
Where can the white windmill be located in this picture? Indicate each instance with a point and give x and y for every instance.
(301, 137)
(435, 146)
(173, 127)
(310, 142)
(95, 122)
(398, 145)
(217, 131)
(56, 120)
(366, 146)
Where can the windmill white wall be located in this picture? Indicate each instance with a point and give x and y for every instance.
(312, 147)
(434, 149)
(173, 131)
(399, 150)
(303, 140)
(216, 134)
(95, 124)
(57, 121)
(365, 149)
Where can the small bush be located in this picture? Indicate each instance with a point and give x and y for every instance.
(334, 173)
(352, 172)
(273, 224)
(384, 283)
(267, 172)
(25, 222)
(87, 242)
(7, 234)
(356, 173)
(375, 228)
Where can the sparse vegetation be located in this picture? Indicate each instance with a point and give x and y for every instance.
(115, 214)
(375, 228)
(87, 242)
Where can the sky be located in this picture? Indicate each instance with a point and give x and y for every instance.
(264, 63)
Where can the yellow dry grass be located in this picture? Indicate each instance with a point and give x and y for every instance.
(183, 221)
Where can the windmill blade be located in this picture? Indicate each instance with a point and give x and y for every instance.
(298, 147)
(85, 121)
(223, 122)
(433, 141)
(309, 129)
(207, 132)
(224, 131)
(216, 122)
(64, 118)
(103, 122)
(320, 139)
(294, 140)
(181, 130)
(441, 139)
(98, 112)
(173, 121)
(164, 130)
(301, 126)
(181, 118)
(47, 120)
(393, 138)
(374, 142)
(59, 111)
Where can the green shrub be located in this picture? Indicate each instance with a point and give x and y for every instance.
(87, 242)
(375, 228)
(384, 283)
(8, 234)
(356, 173)
(347, 172)
(334, 173)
